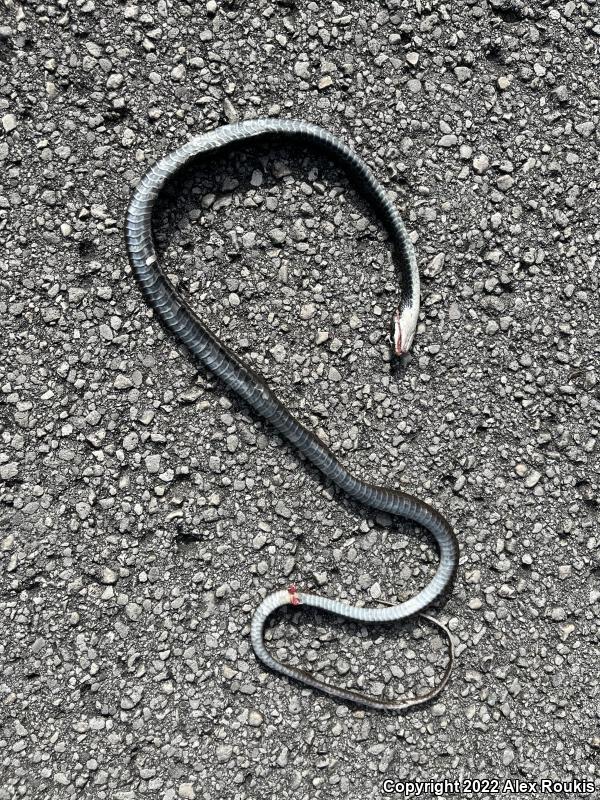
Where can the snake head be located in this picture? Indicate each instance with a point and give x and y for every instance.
(404, 324)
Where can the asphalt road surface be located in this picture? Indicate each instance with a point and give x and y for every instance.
(145, 511)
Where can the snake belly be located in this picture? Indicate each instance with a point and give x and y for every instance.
(181, 320)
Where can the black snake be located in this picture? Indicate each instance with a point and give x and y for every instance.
(182, 321)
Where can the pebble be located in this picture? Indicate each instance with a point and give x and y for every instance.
(133, 611)
(223, 753)
(449, 140)
(114, 81)
(463, 74)
(375, 591)
(481, 164)
(277, 236)
(108, 575)
(153, 463)
(9, 122)
(8, 471)
(532, 479)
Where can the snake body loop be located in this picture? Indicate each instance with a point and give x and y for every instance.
(182, 321)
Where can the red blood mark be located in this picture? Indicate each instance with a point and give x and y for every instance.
(293, 592)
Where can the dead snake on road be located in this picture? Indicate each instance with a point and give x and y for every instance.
(181, 320)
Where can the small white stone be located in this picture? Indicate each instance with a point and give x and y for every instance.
(9, 122)
(481, 164)
(153, 463)
(108, 575)
(186, 790)
(133, 611)
(449, 140)
(532, 479)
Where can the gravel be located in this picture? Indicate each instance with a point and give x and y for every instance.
(146, 511)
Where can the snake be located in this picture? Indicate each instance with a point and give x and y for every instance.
(207, 349)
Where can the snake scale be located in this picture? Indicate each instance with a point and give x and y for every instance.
(177, 315)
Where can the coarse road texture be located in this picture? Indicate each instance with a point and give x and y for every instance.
(146, 511)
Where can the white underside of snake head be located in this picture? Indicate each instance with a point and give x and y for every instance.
(403, 329)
